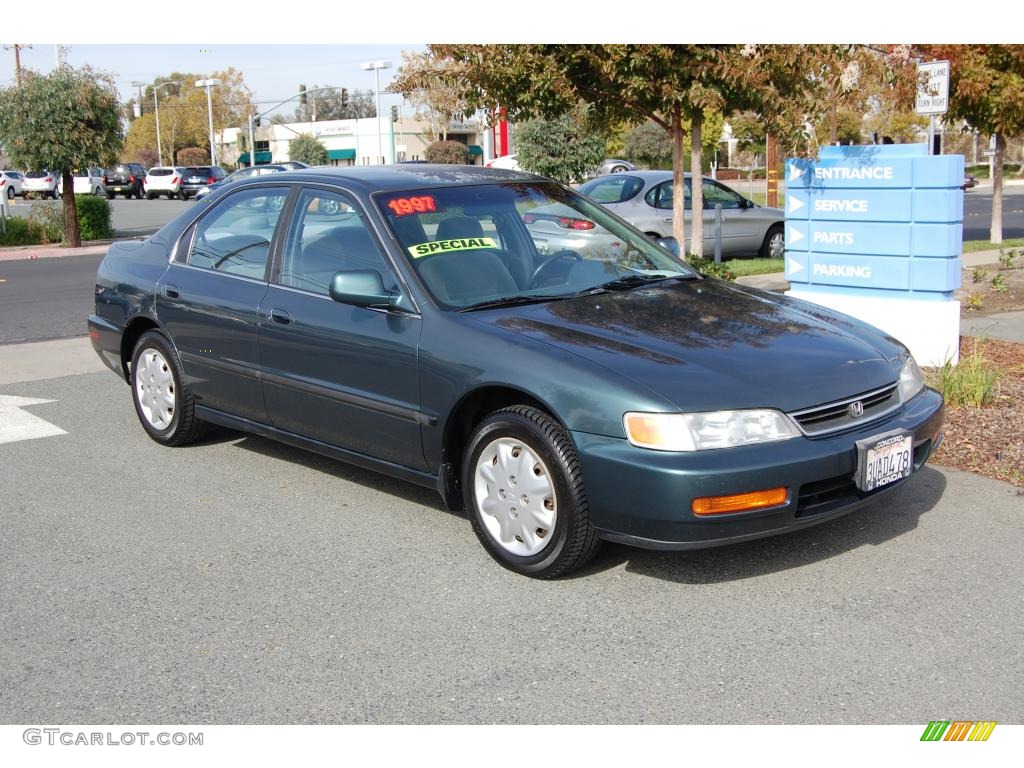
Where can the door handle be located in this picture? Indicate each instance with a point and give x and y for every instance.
(171, 291)
(280, 316)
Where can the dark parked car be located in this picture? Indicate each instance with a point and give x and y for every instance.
(241, 173)
(412, 327)
(196, 177)
(124, 179)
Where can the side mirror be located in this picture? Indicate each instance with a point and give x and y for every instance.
(361, 288)
(669, 244)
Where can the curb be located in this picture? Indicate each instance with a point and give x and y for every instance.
(91, 248)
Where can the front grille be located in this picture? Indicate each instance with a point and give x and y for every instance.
(837, 416)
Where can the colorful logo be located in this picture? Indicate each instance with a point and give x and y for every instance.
(958, 730)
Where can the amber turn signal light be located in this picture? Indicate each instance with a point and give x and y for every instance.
(739, 502)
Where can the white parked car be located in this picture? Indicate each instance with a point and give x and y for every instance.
(10, 183)
(508, 162)
(89, 182)
(41, 184)
(163, 180)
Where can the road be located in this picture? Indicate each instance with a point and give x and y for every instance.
(133, 218)
(46, 298)
(242, 581)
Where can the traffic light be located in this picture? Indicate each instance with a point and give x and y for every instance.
(344, 97)
(394, 114)
(302, 94)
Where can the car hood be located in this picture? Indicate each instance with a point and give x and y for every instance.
(710, 345)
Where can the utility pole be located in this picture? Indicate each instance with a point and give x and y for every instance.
(17, 60)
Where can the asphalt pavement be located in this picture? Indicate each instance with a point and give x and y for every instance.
(242, 581)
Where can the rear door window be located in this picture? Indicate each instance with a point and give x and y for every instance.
(235, 236)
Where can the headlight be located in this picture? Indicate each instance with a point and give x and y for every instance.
(911, 380)
(703, 431)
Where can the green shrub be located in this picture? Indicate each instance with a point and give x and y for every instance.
(711, 267)
(448, 152)
(93, 217)
(973, 382)
(999, 284)
(978, 275)
(46, 221)
(1008, 258)
(17, 232)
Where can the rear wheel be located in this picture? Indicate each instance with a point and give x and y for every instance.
(163, 402)
(774, 245)
(523, 487)
(10, 193)
(150, 196)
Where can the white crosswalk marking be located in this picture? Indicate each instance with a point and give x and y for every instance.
(16, 424)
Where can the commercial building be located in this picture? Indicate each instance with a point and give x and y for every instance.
(348, 142)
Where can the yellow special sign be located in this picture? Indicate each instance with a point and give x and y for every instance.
(457, 244)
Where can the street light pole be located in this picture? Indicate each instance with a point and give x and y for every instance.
(156, 111)
(209, 106)
(377, 66)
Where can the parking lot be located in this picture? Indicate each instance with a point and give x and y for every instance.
(242, 581)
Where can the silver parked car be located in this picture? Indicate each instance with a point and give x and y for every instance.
(644, 199)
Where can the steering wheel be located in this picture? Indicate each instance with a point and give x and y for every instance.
(546, 264)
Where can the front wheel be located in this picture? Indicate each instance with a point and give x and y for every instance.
(523, 487)
(163, 402)
(774, 245)
(10, 193)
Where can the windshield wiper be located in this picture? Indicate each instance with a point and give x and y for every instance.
(510, 301)
(632, 281)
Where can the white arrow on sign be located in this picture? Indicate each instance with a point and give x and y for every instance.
(16, 424)
(794, 203)
(795, 171)
(795, 235)
(795, 266)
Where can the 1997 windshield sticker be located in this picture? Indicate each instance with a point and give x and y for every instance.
(458, 244)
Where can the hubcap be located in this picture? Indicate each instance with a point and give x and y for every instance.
(154, 388)
(515, 494)
(777, 245)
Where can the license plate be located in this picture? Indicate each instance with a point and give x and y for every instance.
(884, 459)
(117, 189)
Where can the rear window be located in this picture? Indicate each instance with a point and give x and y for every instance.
(199, 170)
(37, 174)
(161, 172)
(617, 188)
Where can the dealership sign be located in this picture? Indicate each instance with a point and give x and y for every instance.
(875, 232)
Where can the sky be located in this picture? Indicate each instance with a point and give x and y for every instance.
(278, 47)
(272, 72)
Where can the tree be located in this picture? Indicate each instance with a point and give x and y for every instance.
(447, 152)
(193, 156)
(308, 149)
(649, 145)
(986, 90)
(564, 148)
(432, 84)
(184, 116)
(65, 120)
(325, 103)
(633, 83)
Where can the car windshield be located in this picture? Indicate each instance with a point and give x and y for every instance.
(476, 246)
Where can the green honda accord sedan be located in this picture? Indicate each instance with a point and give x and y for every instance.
(405, 319)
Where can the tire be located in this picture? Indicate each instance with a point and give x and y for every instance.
(618, 169)
(10, 193)
(150, 196)
(110, 196)
(55, 194)
(138, 193)
(774, 245)
(548, 535)
(98, 192)
(163, 402)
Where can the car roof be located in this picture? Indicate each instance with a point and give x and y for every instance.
(386, 178)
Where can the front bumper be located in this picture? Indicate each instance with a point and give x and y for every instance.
(643, 497)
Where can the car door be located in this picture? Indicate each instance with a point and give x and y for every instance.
(336, 373)
(208, 299)
(655, 214)
(740, 231)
